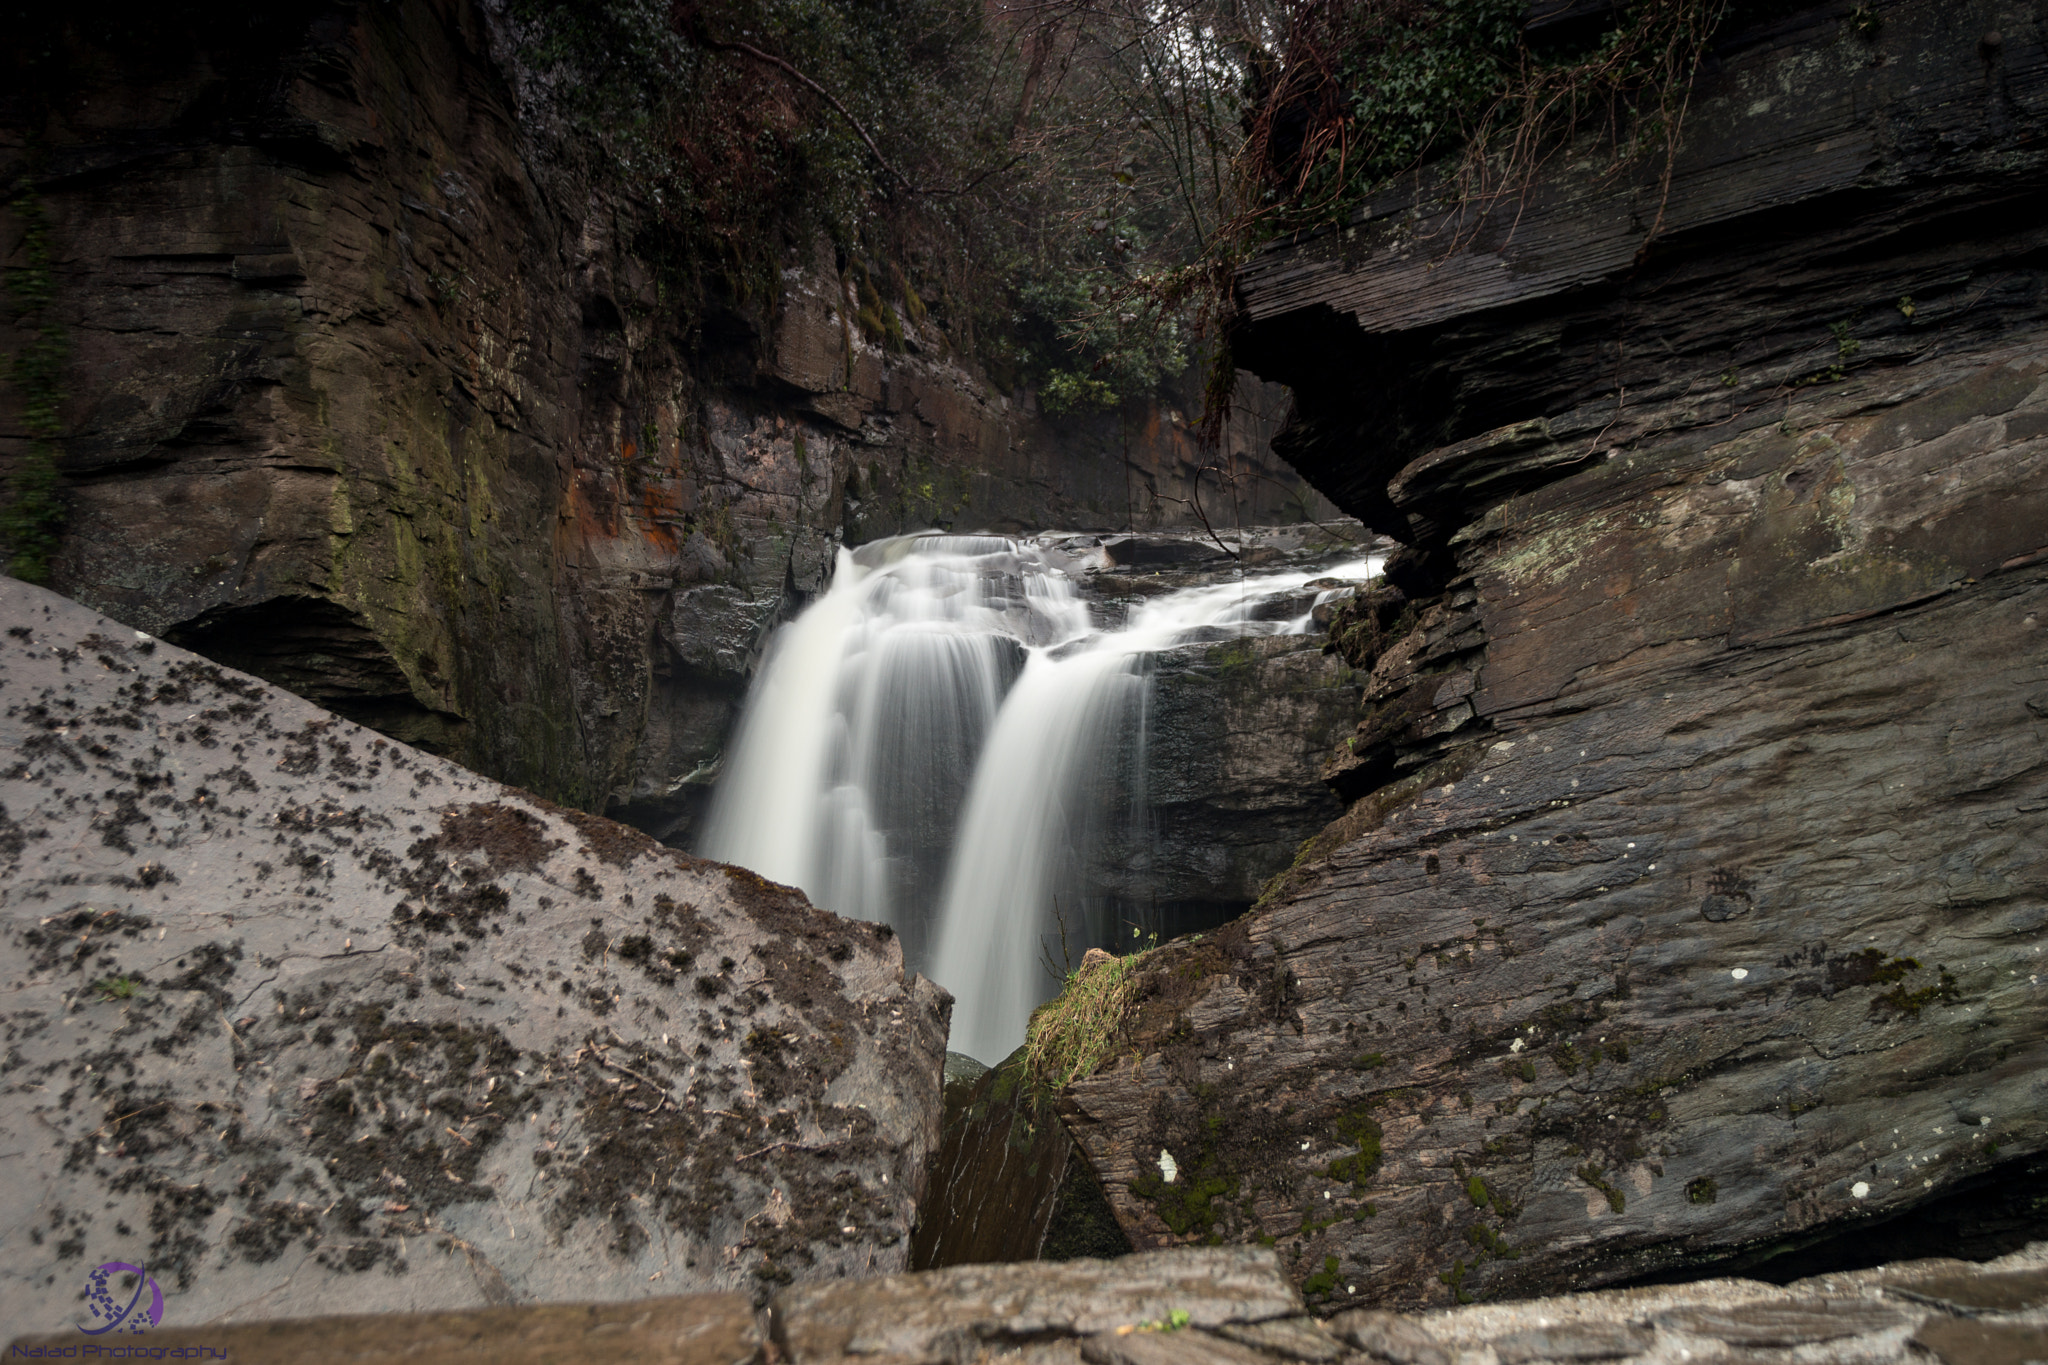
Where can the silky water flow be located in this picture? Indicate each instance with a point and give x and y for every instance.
(947, 738)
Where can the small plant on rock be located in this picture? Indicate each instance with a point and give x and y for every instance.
(116, 987)
(1075, 1032)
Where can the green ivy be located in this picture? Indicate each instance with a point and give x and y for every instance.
(1372, 91)
(1428, 82)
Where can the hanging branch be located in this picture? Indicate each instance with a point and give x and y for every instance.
(800, 78)
(909, 186)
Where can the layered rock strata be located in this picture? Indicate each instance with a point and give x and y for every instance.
(303, 1021)
(1692, 901)
(370, 390)
(1237, 732)
(1204, 1307)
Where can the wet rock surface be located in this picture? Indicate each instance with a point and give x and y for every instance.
(1687, 910)
(1237, 728)
(1237, 735)
(1231, 1306)
(304, 1021)
(996, 1174)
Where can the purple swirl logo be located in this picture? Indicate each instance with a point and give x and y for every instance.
(106, 1305)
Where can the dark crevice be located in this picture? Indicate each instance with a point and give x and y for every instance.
(327, 654)
(1992, 1214)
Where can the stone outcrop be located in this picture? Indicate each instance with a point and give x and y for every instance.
(1203, 1308)
(1689, 906)
(1237, 734)
(304, 1021)
(369, 393)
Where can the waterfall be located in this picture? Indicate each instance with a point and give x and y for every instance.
(940, 740)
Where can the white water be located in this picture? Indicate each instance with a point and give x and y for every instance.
(937, 740)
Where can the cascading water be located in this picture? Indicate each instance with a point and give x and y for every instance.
(940, 740)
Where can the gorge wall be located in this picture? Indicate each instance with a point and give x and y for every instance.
(1691, 903)
(369, 390)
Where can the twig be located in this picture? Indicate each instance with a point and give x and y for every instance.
(116, 1123)
(659, 1088)
(758, 55)
(1194, 500)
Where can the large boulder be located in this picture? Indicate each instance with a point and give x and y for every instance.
(1689, 907)
(304, 1021)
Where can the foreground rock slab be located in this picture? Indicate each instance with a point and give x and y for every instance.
(302, 1021)
(956, 1313)
(694, 1329)
(1204, 1306)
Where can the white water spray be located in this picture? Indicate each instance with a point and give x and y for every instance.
(935, 744)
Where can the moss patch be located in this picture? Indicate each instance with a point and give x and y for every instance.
(1358, 1129)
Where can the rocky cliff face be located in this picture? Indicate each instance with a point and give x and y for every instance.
(369, 392)
(1689, 907)
(304, 1021)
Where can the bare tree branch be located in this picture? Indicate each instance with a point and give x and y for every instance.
(800, 78)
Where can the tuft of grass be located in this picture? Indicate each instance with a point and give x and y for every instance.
(116, 988)
(1075, 1032)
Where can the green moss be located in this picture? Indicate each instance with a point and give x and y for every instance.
(1455, 1279)
(1912, 1002)
(1597, 1178)
(1703, 1190)
(1490, 1243)
(1234, 662)
(1358, 1129)
(913, 306)
(1476, 1191)
(1323, 1283)
(1369, 1061)
(1188, 1204)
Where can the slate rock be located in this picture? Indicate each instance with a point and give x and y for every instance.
(1791, 1323)
(1184, 1347)
(2007, 1292)
(995, 1176)
(696, 1329)
(948, 1315)
(1291, 1338)
(305, 1021)
(1389, 1336)
(1236, 735)
(1157, 552)
(1572, 1341)
(1696, 930)
(1984, 1343)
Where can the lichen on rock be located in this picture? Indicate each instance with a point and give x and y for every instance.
(305, 1021)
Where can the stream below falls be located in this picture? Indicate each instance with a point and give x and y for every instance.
(951, 740)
